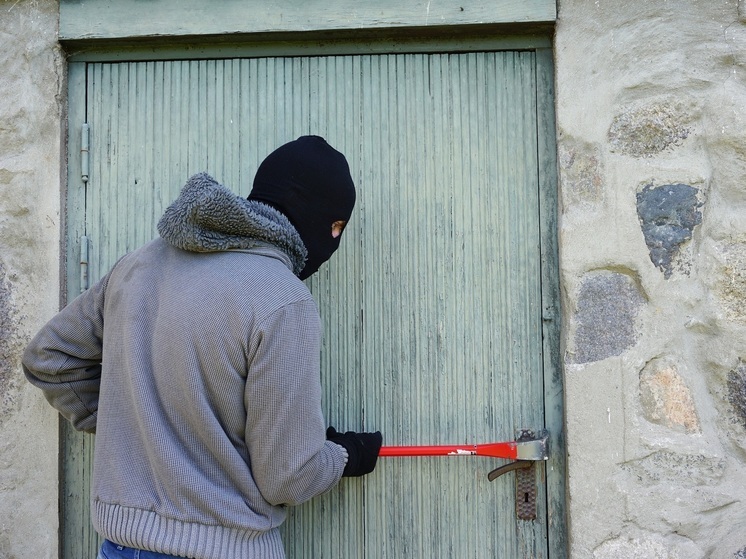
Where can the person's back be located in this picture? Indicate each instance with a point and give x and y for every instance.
(172, 439)
(196, 362)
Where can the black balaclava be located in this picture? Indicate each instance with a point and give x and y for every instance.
(310, 182)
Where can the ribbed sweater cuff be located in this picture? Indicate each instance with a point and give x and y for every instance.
(142, 529)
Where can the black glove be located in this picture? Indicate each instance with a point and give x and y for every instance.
(362, 450)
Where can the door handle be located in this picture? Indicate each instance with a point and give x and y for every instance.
(525, 477)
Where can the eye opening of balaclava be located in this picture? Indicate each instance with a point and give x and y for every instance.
(310, 183)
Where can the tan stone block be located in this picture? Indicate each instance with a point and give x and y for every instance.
(666, 398)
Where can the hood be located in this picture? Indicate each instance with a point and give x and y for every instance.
(310, 182)
(208, 217)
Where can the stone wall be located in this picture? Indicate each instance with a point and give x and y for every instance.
(651, 106)
(30, 119)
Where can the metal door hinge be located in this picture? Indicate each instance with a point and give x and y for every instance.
(83, 263)
(85, 143)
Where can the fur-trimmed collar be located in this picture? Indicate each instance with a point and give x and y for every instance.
(207, 217)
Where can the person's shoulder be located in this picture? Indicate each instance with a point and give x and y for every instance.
(274, 276)
(266, 274)
(260, 285)
(153, 248)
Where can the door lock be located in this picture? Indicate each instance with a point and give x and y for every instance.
(525, 476)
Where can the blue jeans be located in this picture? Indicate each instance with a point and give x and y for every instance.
(111, 550)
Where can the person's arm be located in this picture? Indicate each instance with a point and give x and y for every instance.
(64, 358)
(291, 460)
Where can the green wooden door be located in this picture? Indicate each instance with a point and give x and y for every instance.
(437, 308)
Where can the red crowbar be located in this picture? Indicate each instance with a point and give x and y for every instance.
(533, 449)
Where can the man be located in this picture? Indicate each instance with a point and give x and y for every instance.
(195, 360)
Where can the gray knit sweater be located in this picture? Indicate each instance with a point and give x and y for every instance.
(196, 362)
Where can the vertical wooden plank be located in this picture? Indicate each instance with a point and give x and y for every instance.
(553, 379)
(314, 529)
(75, 187)
(77, 538)
(102, 160)
(529, 396)
(180, 88)
(232, 170)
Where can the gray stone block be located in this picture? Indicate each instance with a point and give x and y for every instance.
(668, 215)
(608, 305)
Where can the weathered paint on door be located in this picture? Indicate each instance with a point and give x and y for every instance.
(433, 308)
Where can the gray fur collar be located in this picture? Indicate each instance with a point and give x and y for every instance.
(207, 217)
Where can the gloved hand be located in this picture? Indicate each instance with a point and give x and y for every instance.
(362, 450)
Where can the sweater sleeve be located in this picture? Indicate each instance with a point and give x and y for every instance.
(64, 358)
(291, 460)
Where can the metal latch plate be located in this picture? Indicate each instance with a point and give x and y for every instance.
(525, 492)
